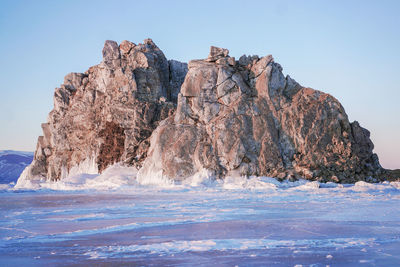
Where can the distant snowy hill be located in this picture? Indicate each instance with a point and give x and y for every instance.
(12, 163)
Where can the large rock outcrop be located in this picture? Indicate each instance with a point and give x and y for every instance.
(225, 116)
(107, 114)
(246, 118)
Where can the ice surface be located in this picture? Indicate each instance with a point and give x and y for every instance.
(117, 218)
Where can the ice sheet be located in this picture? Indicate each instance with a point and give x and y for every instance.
(115, 218)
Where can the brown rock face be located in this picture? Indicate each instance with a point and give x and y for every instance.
(107, 114)
(221, 115)
(245, 117)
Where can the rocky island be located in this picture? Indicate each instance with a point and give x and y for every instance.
(172, 119)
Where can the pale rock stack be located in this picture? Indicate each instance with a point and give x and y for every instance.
(246, 118)
(107, 114)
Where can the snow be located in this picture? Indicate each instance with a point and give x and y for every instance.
(117, 176)
(88, 166)
(118, 217)
(113, 177)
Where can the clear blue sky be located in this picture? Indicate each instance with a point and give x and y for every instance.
(349, 49)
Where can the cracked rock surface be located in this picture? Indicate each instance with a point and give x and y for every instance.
(107, 114)
(226, 116)
(246, 118)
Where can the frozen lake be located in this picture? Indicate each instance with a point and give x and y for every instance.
(256, 222)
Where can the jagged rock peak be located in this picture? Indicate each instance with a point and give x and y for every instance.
(220, 56)
(107, 114)
(111, 52)
(216, 53)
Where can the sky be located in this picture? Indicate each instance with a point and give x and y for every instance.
(349, 49)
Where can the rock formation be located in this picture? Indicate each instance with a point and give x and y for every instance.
(246, 118)
(226, 116)
(107, 114)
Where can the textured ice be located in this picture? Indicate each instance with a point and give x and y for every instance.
(88, 166)
(117, 218)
